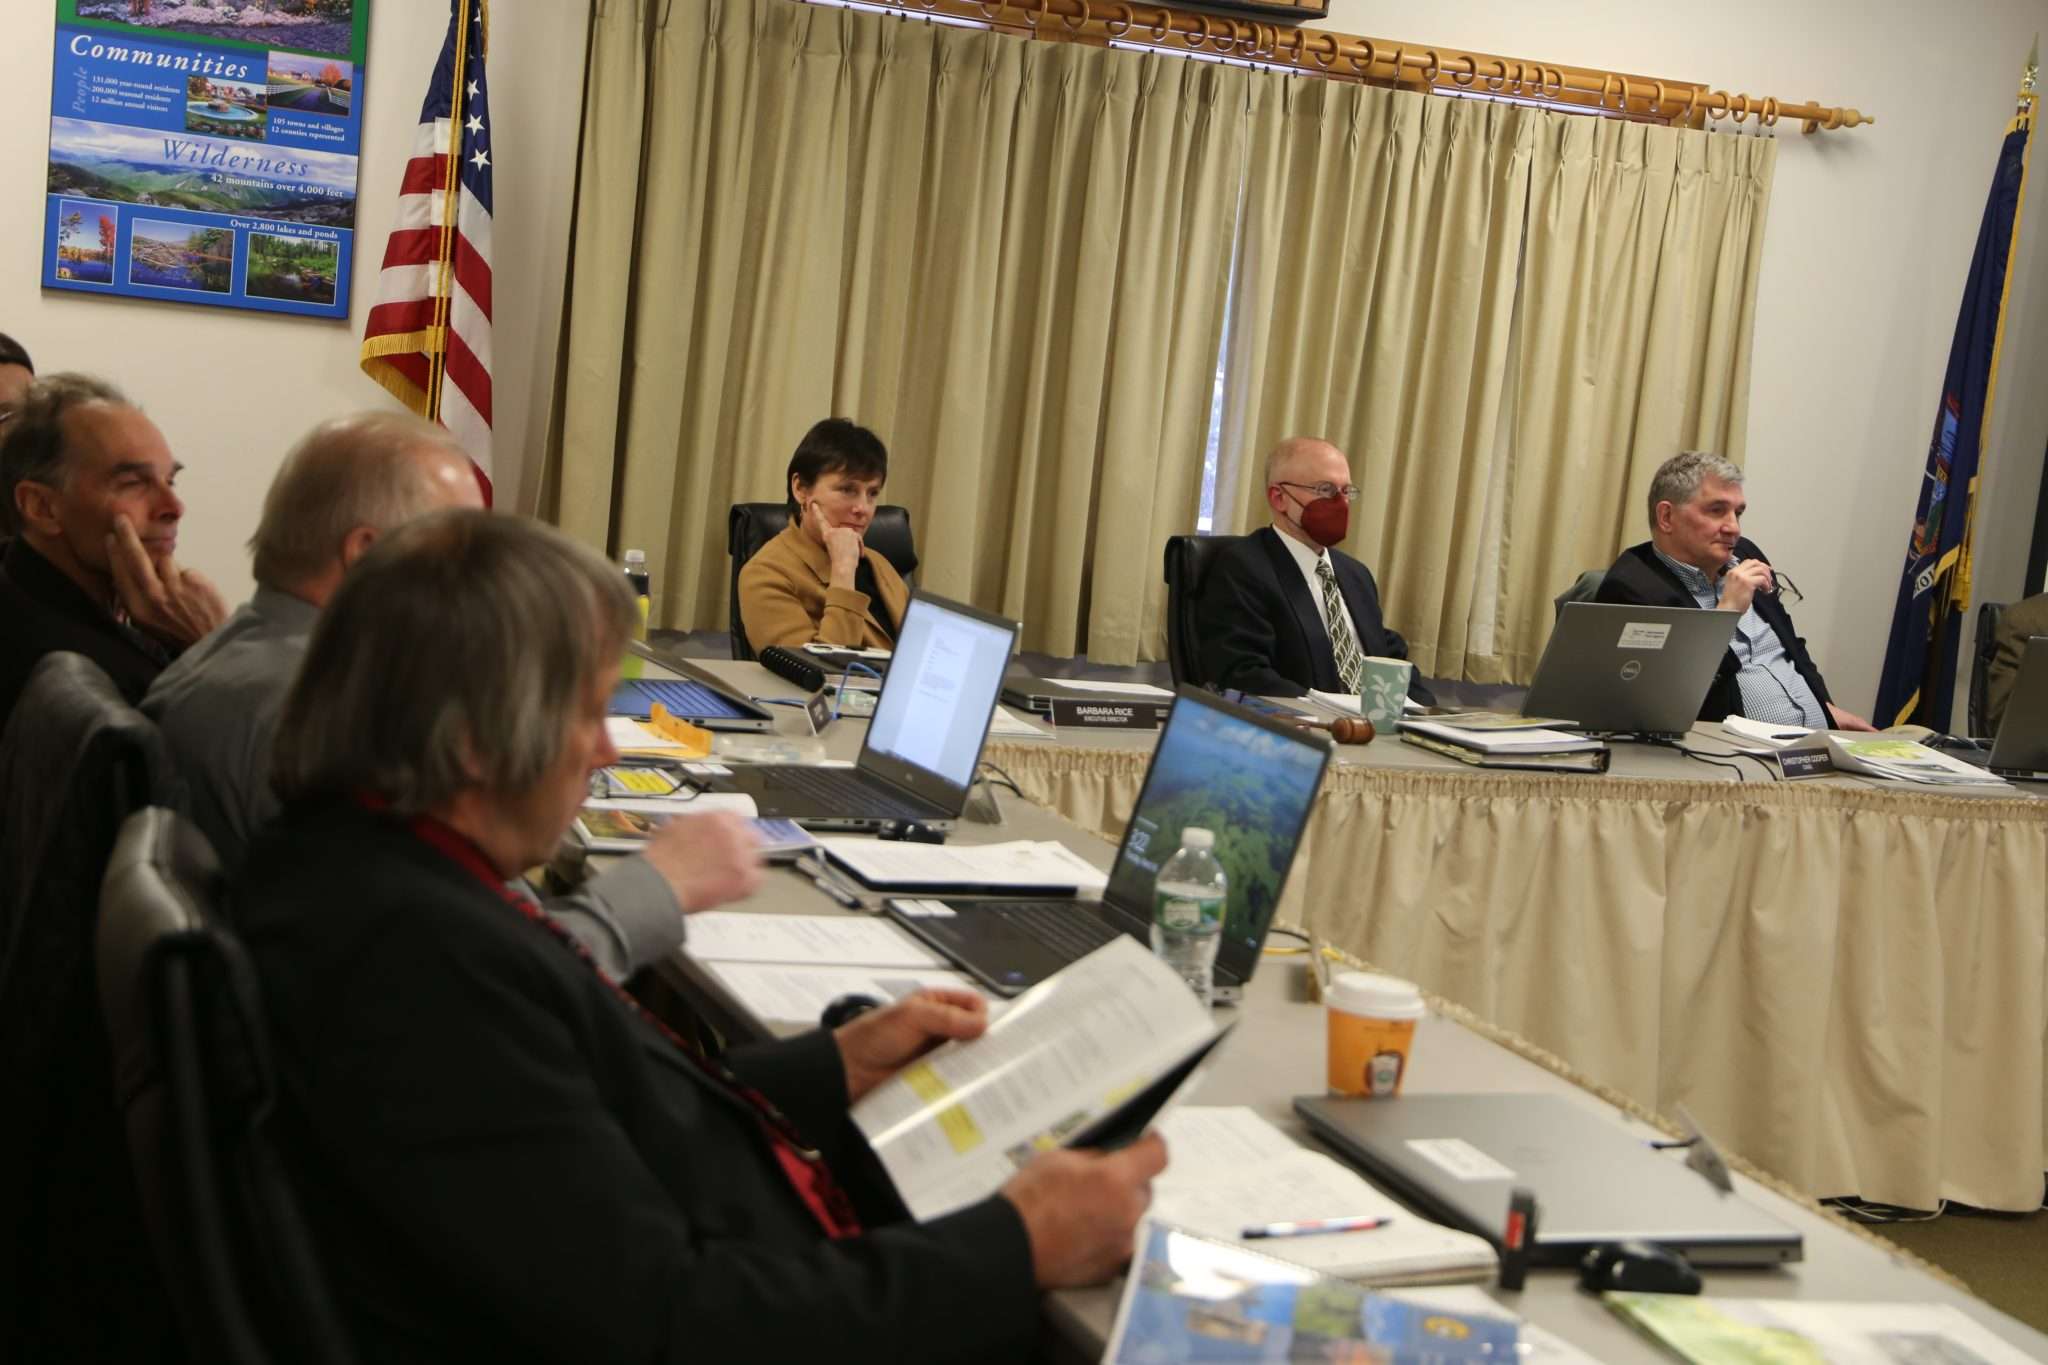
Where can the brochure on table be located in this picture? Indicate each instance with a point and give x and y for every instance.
(952, 1127)
(206, 153)
(1713, 1331)
(1189, 1298)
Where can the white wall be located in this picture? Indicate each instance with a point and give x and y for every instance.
(1868, 242)
(232, 389)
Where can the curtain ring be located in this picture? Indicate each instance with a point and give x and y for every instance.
(1496, 84)
(1435, 67)
(1400, 57)
(988, 11)
(1228, 42)
(1198, 37)
(1255, 39)
(1080, 20)
(1362, 57)
(1769, 117)
(1743, 112)
(1717, 104)
(1032, 16)
(1692, 105)
(1123, 15)
(1544, 75)
(1607, 79)
(1660, 99)
(1162, 28)
(1322, 61)
(1471, 72)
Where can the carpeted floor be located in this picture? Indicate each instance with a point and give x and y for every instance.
(2002, 1257)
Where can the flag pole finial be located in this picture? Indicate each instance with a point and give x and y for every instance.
(2033, 70)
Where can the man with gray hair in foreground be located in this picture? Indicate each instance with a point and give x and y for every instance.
(347, 483)
(1696, 556)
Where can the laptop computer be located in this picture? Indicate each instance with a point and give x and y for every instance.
(1249, 779)
(924, 742)
(2019, 753)
(1457, 1157)
(1630, 669)
(696, 697)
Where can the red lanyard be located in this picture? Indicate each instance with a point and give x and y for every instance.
(805, 1168)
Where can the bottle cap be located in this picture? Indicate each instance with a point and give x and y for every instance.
(635, 558)
(1195, 837)
(1375, 996)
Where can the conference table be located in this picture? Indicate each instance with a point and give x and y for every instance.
(1844, 983)
(1276, 1052)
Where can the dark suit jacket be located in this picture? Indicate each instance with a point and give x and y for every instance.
(502, 1162)
(41, 611)
(1260, 630)
(2017, 624)
(1639, 576)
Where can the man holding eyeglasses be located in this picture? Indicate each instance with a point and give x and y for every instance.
(1283, 611)
(1697, 557)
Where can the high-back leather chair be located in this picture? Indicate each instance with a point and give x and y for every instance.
(196, 1087)
(1584, 588)
(750, 525)
(77, 1281)
(1187, 568)
(1981, 722)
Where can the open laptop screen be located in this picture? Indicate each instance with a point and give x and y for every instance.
(943, 677)
(1248, 782)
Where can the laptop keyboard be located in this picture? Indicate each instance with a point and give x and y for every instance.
(1056, 925)
(845, 789)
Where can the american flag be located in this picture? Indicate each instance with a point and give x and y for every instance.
(428, 340)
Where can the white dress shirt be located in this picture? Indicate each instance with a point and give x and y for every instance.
(1306, 558)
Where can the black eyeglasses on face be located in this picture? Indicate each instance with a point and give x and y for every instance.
(1349, 492)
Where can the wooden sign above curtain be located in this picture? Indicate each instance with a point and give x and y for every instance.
(1282, 10)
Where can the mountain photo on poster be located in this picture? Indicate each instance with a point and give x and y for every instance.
(207, 175)
(308, 25)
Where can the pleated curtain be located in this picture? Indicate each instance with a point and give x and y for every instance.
(1008, 258)
(1022, 262)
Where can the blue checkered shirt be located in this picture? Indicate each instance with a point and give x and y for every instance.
(1772, 690)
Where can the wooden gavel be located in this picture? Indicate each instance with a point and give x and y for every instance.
(1344, 729)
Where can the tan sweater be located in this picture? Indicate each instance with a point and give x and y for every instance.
(786, 598)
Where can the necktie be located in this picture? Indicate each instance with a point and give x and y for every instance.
(1343, 642)
(806, 1170)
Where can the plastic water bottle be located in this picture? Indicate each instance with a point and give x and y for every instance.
(1188, 903)
(636, 574)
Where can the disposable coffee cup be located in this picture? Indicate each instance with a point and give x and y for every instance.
(1382, 690)
(1372, 1032)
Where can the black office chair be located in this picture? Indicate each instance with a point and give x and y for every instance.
(196, 1087)
(1583, 589)
(77, 1280)
(750, 525)
(1980, 720)
(1187, 568)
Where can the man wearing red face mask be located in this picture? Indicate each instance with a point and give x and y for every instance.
(1282, 611)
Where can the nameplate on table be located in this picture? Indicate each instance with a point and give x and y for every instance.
(1805, 761)
(1108, 715)
(819, 709)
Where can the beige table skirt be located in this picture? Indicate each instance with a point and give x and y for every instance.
(1848, 987)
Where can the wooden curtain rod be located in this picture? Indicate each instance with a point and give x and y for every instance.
(1347, 56)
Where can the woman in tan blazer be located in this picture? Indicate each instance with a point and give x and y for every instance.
(817, 580)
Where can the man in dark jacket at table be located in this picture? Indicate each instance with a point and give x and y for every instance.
(1696, 556)
(92, 568)
(1282, 611)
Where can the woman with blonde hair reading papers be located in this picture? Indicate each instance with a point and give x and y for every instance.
(818, 580)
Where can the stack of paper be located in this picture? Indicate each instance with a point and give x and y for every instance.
(1906, 761)
(816, 940)
(1495, 748)
(1231, 1170)
(1022, 865)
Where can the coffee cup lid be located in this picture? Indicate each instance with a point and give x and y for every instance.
(1374, 995)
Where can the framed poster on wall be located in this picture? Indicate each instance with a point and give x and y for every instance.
(204, 151)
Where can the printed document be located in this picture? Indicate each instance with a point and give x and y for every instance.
(954, 1126)
(788, 994)
(821, 940)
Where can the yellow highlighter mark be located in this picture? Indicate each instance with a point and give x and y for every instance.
(954, 1121)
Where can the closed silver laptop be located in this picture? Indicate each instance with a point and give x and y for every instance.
(1457, 1158)
(1628, 669)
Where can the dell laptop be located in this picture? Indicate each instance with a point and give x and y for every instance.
(1629, 669)
(1458, 1157)
(924, 742)
(695, 697)
(1247, 779)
